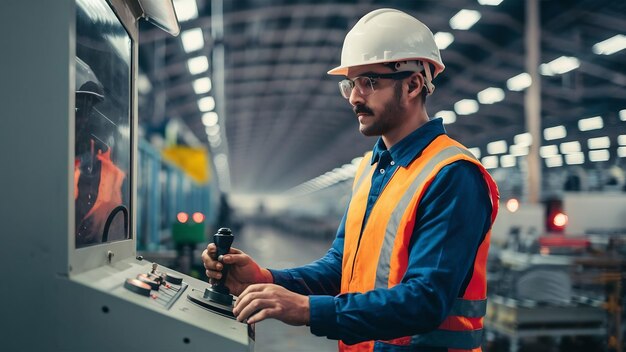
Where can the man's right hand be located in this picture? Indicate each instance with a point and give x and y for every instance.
(243, 271)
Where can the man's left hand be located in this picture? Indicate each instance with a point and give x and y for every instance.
(261, 301)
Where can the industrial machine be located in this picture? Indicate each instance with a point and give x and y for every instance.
(69, 192)
(559, 285)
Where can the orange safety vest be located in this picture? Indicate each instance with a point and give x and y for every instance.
(109, 196)
(380, 260)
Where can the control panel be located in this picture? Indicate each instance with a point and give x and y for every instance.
(163, 288)
(179, 300)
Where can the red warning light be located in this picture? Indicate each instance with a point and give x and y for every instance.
(182, 217)
(559, 221)
(197, 217)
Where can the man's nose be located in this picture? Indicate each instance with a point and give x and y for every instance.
(356, 97)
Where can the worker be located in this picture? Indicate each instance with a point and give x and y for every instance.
(406, 270)
(98, 182)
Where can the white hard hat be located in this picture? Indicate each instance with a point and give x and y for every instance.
(389, 35)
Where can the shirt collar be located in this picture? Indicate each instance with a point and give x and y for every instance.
(412, 145)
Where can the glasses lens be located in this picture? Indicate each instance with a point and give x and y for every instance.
(345, 87)
(364, 85)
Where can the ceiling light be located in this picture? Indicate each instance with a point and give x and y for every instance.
(575, 158)
(143, 84)
(555, 132)
(490, 162)
(490, 2)
(198, 64)
(518, 150)
(621, 152)
(357, 161)
(622, 115)
(599, 143)
(193, 39)
(598, 155)
(448, 116)
(215, 141)
(221, 161)
(210, 118)
(490, 95)
(186, 10)
(213, 130)
(464, 19)
(202, 85)
(547, 151)
(559, 66)
(554, 161)
(206, 104)
(523, 139)
(443, 39)
(570, 147)
(466, 106)
(519, 82)
(497, 147)
(349, 170)
(611, 45)
(621, 139)
(591, 123)
(475, 151)
(508, 161)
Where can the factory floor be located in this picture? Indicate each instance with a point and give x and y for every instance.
(275, 249)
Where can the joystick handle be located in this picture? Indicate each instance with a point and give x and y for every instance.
(223, 239)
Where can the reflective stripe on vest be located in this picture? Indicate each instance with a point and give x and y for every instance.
(384, 260)
(359, 181)
(469, 308)
(465, 340)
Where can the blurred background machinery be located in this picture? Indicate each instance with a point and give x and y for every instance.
(246, 80)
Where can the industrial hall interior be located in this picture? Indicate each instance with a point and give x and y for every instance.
(313, 176)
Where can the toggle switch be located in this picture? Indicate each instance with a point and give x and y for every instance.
(148, 280)
(173, 279)
(138, 287)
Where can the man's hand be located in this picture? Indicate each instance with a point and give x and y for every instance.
(243, 270)
(262, 301)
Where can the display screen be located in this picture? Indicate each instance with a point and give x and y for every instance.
(102, 162)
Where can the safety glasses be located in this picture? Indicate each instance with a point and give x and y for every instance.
(367, 84)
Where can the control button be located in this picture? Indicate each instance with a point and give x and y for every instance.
(138, 287)
(155, 277)
(173, 279)
(153, 283)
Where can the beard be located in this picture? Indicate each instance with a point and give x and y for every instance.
(385, 120)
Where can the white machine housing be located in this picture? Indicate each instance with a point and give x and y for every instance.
(62, 298)
(595, 213)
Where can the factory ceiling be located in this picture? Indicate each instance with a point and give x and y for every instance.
(283, 122)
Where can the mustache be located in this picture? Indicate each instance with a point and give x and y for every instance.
(361, 108)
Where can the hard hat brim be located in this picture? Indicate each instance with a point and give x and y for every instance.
(343, 70)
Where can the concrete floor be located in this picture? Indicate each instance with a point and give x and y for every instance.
(274, 249)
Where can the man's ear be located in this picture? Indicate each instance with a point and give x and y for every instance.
(416, 84)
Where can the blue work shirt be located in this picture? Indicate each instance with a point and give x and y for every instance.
(451, 221)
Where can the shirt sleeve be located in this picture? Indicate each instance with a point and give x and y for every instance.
(322, 277)
(451, 222)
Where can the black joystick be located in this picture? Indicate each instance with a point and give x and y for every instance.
(218, 292)
(217, 297)
(223, 239)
